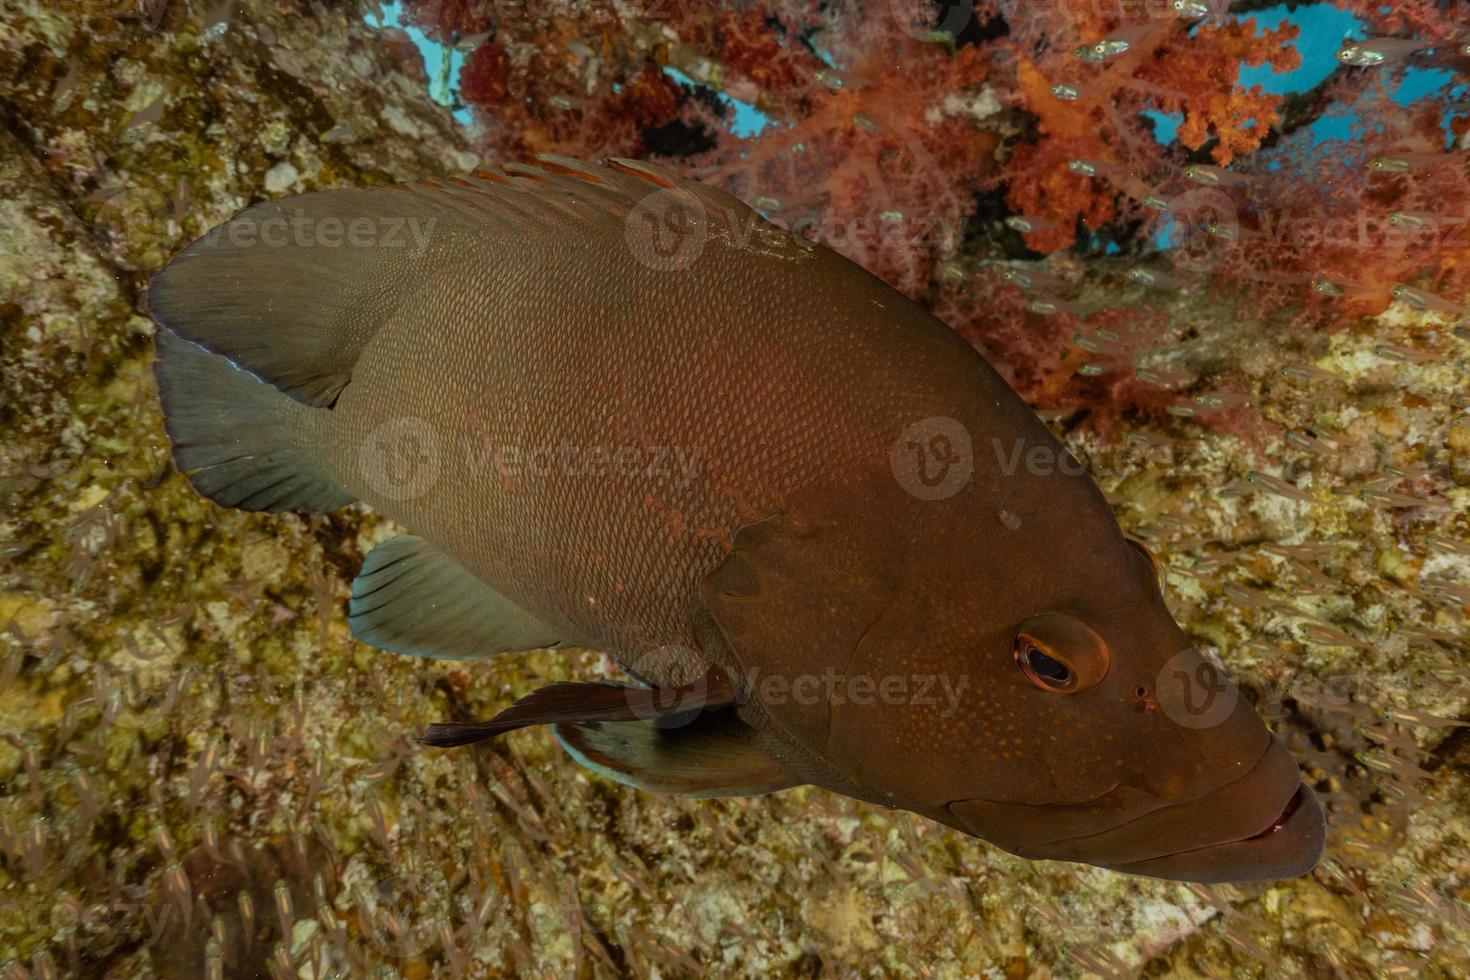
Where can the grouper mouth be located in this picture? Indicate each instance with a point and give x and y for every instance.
(1288, 847)
(1265, 825)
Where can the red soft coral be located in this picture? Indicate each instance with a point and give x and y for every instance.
(901, 148)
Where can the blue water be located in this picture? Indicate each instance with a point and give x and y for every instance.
(748, 119)
(434, 55)
(747, 122)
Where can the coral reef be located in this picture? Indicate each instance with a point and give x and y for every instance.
(201, 773)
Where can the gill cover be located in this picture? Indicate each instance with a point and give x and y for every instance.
(795, 596)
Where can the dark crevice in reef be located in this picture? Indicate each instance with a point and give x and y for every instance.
(1453, 752)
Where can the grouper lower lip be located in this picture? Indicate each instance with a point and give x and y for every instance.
(1232, 811)
(1264, 824)
(1289, 847)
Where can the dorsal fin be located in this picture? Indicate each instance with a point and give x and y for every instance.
(293, 290)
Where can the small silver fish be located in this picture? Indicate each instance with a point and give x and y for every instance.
(1385, 499)
(1191, 9)
(1032, 279)
(1388, 164)
(1211, 176)
(1093, 345)
(1103, 50)
(1025, 225)
(1409, 219)
(1378, 51)
(1279, 487)
(1450, 544)
(1421, 300)
(1225, 230)
(1393, 352)
(1310, 441)
(1220, 399)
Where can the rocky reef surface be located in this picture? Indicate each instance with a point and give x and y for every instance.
(202, 773)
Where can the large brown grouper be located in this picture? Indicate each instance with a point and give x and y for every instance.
(621, 411)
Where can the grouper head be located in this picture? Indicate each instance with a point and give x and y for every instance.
(1011, 670)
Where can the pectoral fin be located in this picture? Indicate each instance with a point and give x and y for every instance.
(412, 598)
(714, 755)
(569, 702)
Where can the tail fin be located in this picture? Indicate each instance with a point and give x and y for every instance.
(239, 440)
(293, 291)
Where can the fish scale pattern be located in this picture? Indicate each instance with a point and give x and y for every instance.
(604, 425)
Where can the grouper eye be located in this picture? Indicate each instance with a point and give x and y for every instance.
(1045, 670)
(1060, 654)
